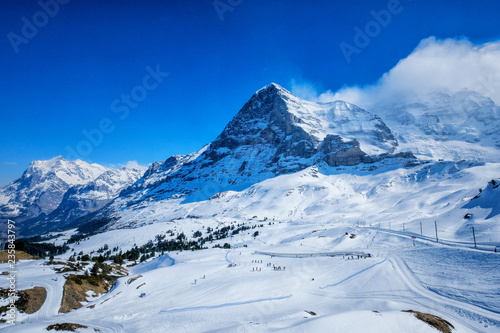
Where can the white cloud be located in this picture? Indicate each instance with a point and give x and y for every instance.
(134, 165)
(446, 65)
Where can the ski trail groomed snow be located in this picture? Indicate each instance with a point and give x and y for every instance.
(353, 275)
(225, 304)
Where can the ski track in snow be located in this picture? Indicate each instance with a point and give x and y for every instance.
(353, 275)
(207, 307)
(227, 259)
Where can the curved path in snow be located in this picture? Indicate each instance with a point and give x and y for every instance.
(227, 259)
(466, 314)
(453, 308)
(226, 304)
(432, 239)
(353, 275)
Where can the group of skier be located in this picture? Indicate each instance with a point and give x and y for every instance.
(258, 261)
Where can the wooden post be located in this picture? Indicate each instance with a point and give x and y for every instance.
(421, 228)
(474, 235)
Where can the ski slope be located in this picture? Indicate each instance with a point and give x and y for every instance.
(197, 291)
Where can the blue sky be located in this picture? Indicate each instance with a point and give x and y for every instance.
(69, 76)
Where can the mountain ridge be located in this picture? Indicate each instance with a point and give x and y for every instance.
(42, 186)
(80, 200)
(275, 133)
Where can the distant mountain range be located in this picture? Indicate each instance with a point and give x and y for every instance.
(53, 192)
(273, 135)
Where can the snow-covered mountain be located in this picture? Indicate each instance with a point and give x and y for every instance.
(82, 199)
(365, 228)
(42, 186)
(274, 133)
(449, 126)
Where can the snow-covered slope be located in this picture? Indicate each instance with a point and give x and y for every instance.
(42, 186)
(392, 192)
(159, 171)
(488, 199)
(321, 283)
(276, 133)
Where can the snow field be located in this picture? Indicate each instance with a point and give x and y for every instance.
(344, 293)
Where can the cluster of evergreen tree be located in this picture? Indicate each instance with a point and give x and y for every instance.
(141, 253)
(180, 243)
(40, 249)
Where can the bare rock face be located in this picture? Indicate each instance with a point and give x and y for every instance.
(339, 153)
(296, 128)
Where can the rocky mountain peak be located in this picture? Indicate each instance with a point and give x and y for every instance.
(42, 167)
(83, 199)
(274, 116)
(274, 133)
(273, 90)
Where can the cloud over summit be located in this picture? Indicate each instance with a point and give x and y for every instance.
(448, 65)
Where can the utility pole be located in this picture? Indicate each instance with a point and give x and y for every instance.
(436, 226)
(474, 235)
(421, 229)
